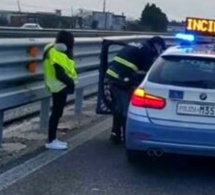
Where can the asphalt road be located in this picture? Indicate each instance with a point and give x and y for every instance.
(98, 167)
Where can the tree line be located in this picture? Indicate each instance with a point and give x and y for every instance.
(152, 19)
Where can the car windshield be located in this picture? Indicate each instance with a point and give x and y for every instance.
(184, 71)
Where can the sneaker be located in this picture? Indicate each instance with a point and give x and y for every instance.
(55, 145)
(61, 142)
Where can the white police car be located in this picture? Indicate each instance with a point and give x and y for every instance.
(173, 109)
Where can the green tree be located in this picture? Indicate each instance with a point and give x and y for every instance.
(153, 18)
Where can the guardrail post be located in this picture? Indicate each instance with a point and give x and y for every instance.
(79, 101)
(1, 126)
(44, 114)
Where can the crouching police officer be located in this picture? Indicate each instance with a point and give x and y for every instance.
(60, 75)
(123, 75)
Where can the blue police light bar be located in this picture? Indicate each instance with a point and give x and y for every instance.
(185, 37)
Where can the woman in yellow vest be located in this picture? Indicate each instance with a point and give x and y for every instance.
(60, 75)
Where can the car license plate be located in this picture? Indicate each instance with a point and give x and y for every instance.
(196, 110)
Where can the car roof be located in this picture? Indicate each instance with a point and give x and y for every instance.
(195, 50)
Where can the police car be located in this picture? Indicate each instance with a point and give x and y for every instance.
(173, 109)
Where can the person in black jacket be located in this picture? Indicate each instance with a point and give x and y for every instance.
(122, 76)
(59, 55)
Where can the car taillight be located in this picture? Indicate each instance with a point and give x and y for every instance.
(141, 99)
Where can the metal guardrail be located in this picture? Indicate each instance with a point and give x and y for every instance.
(19, 87)
(12, 32)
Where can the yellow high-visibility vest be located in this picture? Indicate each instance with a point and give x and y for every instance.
(122, 62)
(57, 57)
(126, 63)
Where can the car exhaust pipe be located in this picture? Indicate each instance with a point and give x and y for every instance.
(151, 152)
(158, 153)
(155, 152)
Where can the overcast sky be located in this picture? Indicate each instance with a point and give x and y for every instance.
(175, 9)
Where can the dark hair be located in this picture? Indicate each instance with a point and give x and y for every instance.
(66, 38)
(158, 40)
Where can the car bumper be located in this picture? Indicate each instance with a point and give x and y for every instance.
(144, 136)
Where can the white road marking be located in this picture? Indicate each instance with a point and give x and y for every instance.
(21, 171)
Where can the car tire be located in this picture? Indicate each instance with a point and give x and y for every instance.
(133, 156)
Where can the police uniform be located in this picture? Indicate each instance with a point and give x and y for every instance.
(60, 76)
(121, 75)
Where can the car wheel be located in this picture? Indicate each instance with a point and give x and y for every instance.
(133, 156)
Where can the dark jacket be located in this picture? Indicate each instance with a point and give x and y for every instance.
(143, 57)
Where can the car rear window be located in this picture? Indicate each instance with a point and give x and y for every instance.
(184, 71)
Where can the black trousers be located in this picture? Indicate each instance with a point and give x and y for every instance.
(59, 102)
(121, 99)
(119, 124)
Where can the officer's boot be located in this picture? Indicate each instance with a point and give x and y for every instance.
(116, 129)
(124, 128)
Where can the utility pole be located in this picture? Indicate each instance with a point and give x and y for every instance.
(73, 19)
(104, 11)
(19, 7)
(72, 11)
(104, 5)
